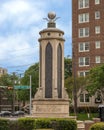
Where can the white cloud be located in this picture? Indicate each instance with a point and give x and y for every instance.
(15, 48)
(21, 12)
(20, 23)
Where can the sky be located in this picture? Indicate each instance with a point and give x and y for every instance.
(20, 23)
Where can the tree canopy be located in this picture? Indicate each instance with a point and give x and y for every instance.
(96, 80)
(67, 67)
(33, 70)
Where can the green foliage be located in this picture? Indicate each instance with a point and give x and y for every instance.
(97, 126)
(66, 124)
(69, 86)
(26, 123)
(96, 79)
(23, 95)
(14, 125)
(67, 67)
(29, 123)
(7, 80)
(4, 124)
(43, 123)
(70, 83)
(56, 123)
(34, 72)
(84, 116)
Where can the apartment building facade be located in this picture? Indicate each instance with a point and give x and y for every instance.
(87, 38)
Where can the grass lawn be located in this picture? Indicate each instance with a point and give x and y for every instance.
(84, 116)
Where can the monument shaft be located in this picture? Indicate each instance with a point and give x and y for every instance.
(51, 99)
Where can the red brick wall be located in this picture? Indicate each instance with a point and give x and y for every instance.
(92, 36)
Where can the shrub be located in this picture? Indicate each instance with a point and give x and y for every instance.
(26, 123)
(13, 125)
(4, 124)
(65, 124)
(43, 123)
(97, 126)
(56, 124)
(39, 123)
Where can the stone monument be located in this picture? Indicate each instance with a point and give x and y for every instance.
(51, 99)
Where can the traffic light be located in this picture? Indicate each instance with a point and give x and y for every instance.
(10, 88)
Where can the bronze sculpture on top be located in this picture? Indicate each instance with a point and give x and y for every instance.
(51, 18)
(51, 99)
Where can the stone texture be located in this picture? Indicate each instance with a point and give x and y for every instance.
(51, 99)
(51, 108)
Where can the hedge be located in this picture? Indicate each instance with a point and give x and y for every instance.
(39, 123)
(14, 125)
(43, 123)
(65, 124)
(4, 124)
(26, 123)
(56, 124)
(97, 126)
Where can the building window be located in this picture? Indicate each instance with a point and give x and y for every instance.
(97, 2)
(97, 59)
(84, 46)
(97, 15)
(84, 61)
(83, 4)
(81, 97)
(97, 29)
(97, 44)
(84, 98)
(84, 32)
(84, 18)
(83, 73)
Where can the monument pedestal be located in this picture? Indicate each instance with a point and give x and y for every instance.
(58, 108)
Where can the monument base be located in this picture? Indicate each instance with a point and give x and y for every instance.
(53, 108)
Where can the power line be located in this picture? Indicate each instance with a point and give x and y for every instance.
(12, 51)
(20, 65)
(16, 57)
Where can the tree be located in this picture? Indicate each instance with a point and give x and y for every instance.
(80, 84)
(7, 80)
(96, 80)
(67, 67)
(33, 70)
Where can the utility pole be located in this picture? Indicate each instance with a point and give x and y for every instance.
(75, 86)
(0, 99)
(13, 100)
(30, 95)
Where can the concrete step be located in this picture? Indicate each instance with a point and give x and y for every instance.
(80, 125)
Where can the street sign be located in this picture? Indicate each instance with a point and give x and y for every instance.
(21, 87)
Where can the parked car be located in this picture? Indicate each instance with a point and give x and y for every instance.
(18, 113)
(5, 113)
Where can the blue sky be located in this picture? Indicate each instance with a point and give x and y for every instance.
(20, 23)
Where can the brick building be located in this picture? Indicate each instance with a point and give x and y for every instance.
(87, 38)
